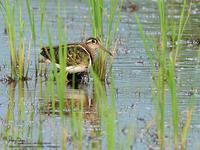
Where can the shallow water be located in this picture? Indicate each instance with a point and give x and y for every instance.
(25, 113)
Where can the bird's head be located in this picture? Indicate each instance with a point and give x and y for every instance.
(95, 43)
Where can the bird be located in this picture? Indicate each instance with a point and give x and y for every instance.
(79, 56)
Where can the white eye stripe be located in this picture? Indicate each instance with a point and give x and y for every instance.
(94, 41)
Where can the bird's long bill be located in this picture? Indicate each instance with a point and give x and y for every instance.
(101, 47)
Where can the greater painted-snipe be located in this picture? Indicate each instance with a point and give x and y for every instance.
(79, 56)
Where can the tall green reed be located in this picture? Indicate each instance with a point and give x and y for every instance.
(33, 34)
(17, 55)
(10, 25)
(171, 72)
(164, 75)
(96, 9)
(42, 15)
(21, 46)
(59, 76)
(106, 109)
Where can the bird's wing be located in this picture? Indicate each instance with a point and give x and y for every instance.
(77, 58)
(47, 54)
(77, 55)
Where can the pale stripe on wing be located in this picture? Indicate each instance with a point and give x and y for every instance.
(74, 69)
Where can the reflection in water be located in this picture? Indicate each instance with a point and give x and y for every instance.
(80, 123)
(73, 97)
(81, 109)
(10, 111)
(21, 111)
(14, 130)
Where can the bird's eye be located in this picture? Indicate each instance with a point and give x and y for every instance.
(94, 41)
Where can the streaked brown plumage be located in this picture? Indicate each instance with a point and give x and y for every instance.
(79, 56)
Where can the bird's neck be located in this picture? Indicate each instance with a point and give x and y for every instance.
(92, 53)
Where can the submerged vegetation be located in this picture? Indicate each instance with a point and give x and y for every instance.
(93, 103)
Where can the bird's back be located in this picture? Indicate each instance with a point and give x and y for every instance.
(75, 54)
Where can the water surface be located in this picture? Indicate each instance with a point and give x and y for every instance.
(25, 113)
